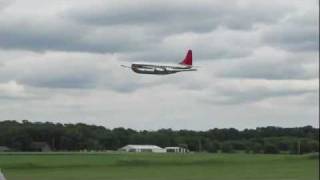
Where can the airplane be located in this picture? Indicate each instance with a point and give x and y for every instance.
(163, 69)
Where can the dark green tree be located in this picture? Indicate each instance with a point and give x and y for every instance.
(270, 149)
(227, 147)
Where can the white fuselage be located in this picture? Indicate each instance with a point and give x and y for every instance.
(161, 69)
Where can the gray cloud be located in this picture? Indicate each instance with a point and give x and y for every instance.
(257, 62)
(233, 92)
(268, 63)
(106, 27)
(192, 17)
(57, 70)
(157, 31)
(4, 4)
(299, 32)
(66, 36)
(230, 97)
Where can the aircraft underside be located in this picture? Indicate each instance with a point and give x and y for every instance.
(158, 71)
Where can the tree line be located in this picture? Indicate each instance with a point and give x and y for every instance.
(19, 136)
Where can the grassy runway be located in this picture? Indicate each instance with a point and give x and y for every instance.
(117, 166)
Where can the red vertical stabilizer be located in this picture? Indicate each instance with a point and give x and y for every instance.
(188, 59)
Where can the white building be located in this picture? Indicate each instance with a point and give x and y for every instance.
(142, 148)
(176, 150)
(2, 176)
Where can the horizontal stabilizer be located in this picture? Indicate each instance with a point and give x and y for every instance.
(125, 66)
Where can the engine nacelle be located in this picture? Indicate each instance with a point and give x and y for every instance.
(159, 69)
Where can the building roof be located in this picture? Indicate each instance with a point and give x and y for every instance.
(132, 146)
(174, 148)
(2, 176)
(4, 148)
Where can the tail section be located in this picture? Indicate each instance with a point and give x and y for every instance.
(188, 59)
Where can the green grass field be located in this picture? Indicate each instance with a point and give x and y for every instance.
(118, 166)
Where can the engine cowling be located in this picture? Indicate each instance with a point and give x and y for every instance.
(170, 69)
(147, 70)
(159, 69)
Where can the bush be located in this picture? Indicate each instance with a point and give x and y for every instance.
(270, 149)
(256, 148)
(239, 145)
(248, 150)
(212, 147)
(227, 147)
(304, 147)
(314, 156)
(315, 146)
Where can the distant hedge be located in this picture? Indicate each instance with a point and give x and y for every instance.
(20, 136)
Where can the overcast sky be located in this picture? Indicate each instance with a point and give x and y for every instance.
(60, 61)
